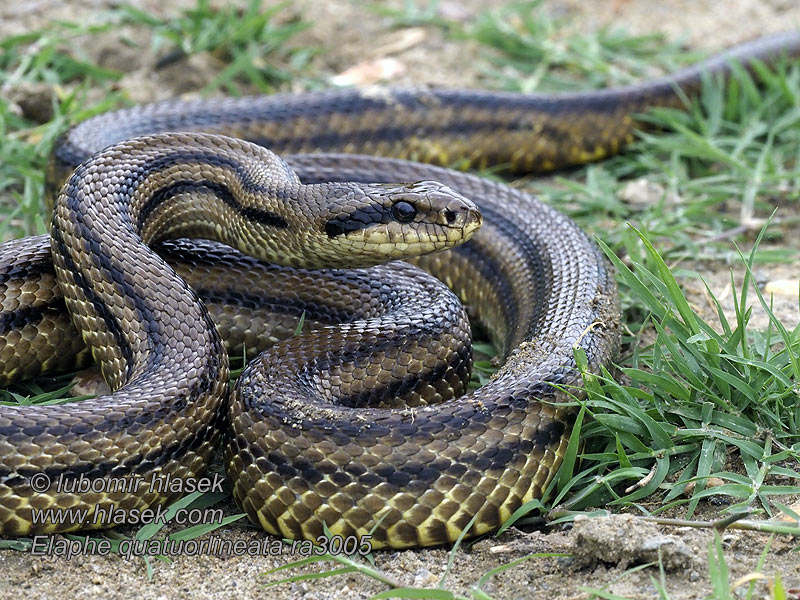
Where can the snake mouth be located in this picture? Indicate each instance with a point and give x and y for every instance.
(392, 241)
(451, 226)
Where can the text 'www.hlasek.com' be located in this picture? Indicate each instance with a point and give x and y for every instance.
(106, 514)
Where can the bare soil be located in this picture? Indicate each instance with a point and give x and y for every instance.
(600, 551)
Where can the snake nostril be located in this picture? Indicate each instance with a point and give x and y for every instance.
(450, 216)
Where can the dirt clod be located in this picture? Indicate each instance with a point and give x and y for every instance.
(33, 101)
(625, 540)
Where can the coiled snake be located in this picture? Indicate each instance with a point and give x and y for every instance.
(315, 431)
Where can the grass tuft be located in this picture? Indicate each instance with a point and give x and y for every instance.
(700, 177)
(251, 42)
(704, 400)
(536, 51)
(49, 83)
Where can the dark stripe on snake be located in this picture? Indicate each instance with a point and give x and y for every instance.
(333, 139)
(400, 387)
(142, 463)
(361, 217)
(185, 157)
(314, 311)
(101, 309)
(276, 109)
(113, 467)
(380, 393)
(33, 313)
(534, 259)
(488, 269)
(414, 473)
(221, 191)
(30, 271)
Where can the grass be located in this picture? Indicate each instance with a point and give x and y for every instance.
(703, 407)
(533, 51)
(702, 391)
(248, 41)
(711, 169)
(705, 388)
(718, 577)
(255, 46)
(717, 170)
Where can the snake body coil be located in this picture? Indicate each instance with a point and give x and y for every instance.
(300, 458)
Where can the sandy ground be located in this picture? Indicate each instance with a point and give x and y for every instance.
(601, 551)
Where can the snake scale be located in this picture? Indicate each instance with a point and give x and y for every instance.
(352, 424)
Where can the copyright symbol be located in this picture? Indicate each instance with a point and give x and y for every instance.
(40, 482)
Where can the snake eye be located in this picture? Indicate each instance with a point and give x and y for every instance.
(404, 211)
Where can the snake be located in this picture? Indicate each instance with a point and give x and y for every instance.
(170, 223)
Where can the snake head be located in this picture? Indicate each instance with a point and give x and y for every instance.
(382, 222)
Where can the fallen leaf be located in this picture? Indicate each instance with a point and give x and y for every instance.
(366, 73)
